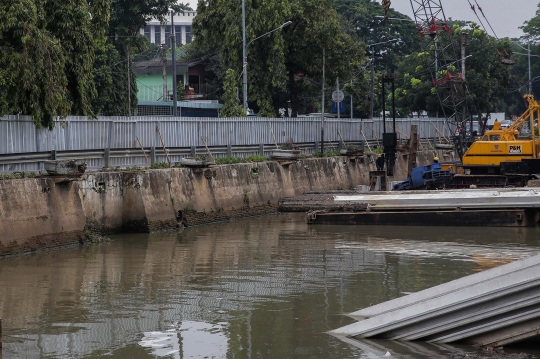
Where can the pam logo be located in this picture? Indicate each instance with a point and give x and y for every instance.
(514, 149)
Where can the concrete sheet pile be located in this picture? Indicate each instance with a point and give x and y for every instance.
(446, 200)
(495, 307)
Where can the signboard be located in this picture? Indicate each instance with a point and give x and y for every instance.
(514, 149)
(341, 107)
(338, 96)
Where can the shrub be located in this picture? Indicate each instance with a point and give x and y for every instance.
(159, 165)
(256, 158)
(229, 160)
(17, 175)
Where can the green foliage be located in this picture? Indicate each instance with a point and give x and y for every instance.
(17, 175)
(232, 160)
(47, 55)
(159, 165)
(377, 150)
(532, 27)
(274, 60)
(332, 153)
(256, 158)
(487, 78)
(231, 107)
(229, 160)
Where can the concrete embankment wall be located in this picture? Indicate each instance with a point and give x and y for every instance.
(39, 213)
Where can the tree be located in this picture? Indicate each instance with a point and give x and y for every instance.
(231, 106)
(47, 53)
(274, 60)
(487, 77)
(114, 68)
(532, 27)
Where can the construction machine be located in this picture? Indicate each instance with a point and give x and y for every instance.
(502, 157)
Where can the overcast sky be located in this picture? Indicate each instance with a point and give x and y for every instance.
(505, 16)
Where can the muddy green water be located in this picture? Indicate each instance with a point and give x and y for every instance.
(261, 288)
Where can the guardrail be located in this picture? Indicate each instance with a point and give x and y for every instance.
(147, 156)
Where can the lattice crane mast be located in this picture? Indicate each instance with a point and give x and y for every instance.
(444, 66)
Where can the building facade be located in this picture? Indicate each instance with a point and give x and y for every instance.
(158, 33)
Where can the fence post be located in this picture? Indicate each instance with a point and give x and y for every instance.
(193, 150)
(152, 155)
(107, 159)
(229, 150)
(53, 155)
(261, 149)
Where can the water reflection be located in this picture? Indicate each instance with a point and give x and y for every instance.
(188, 340)
(263, 288)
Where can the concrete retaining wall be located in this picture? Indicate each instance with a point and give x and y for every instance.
(39, 213)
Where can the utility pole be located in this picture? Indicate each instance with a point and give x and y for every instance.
(322, 111)
(351, 101)
(164, 70)
(244, 56)
(337, 102)
(173, 45)
(128, 80)
(372, 83)
(529, 52)
(463, 44)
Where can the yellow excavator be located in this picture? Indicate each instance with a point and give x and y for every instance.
(502, 157)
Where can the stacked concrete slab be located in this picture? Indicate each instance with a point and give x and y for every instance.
(495, 307)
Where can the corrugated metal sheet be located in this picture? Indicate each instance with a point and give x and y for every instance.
(19, 135)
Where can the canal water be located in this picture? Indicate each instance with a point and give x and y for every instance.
(267, 287)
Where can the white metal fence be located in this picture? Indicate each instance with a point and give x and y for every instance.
(18, 134)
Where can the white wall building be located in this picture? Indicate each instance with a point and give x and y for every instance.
(160, 34)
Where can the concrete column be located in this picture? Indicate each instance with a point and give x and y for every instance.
(107, 158)
(152, 155)
(183, 34)
(152, 35)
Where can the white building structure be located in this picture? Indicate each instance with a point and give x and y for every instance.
(160, 34)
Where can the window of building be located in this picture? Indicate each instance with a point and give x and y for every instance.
(157, 34)
(188, 34)
(168, 35)
(178, 34)
(147, 33)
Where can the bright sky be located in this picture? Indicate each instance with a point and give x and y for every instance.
(505, 16)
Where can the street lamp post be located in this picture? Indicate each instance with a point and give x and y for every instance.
(245, 49)
(528, 54)
(373, 74)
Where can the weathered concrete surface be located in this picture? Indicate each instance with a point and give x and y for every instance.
(39, 213)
